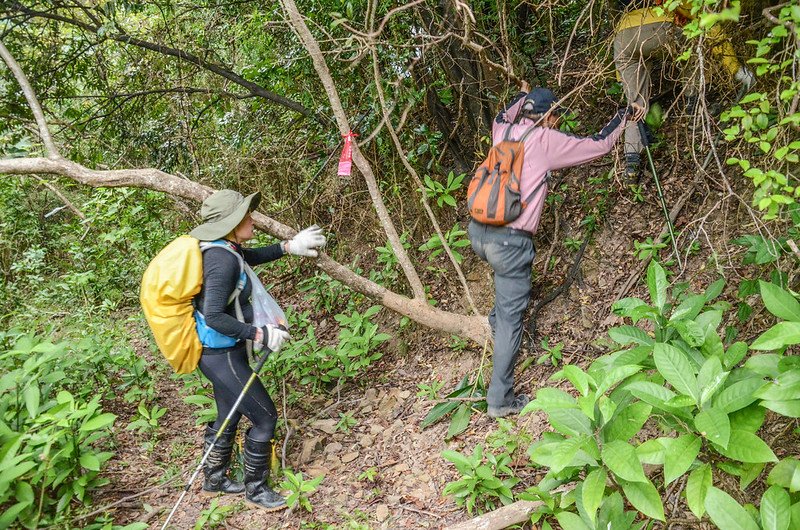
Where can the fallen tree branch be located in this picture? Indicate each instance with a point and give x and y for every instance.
(515, 513)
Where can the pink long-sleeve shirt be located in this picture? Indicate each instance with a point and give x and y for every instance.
(548, 149)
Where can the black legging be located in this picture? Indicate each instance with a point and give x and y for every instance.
(228, 370)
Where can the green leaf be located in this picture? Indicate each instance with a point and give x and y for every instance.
(657, 285)
(628, 421)
(461, 462)
(98, 422)
(564, 453)
(578, 378)
(747, 447)
(594, 487)
(675, 367)
(571, 521)
(570, 421)
(786, 474)
(690, 331)
(738, 395)
(776, 509)
(439, 411)
(31, 397)
(790, 409)
(90, 462)
(697, 487)
(734, 354)
(621, 459)
(644, 497)
(680, 455)
(715, 289)
(629, 334)
(726, 513)
(651, 393)
(689, 308)
(780, 335)
(460, 421)
(714, 424)
(779, 302)
(651, 452)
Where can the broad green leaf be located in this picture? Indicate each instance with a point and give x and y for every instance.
(578, 378)
(629, 334)
(786, 474)
(697, 486)
(690, 331)
(10, 514)
(738, 395)
(31, 397)
(90, 462)
(564, 453)
(689, 308)
(628, 421)
(749, 419)
(651, 393)
(644, 497)
(747, 447)
(779, 302)
(780, 335)
(98, 422)
(776, 509)
(625, 306)
(676, 369)
(712, 345)
(726, 513)
(790, 409)
(734, 354)
(460, 421)
(680, 455)
(439, 411)
(651, 452)
(461, 462)
(614, 376)
(766, 364)
(571, 521)
(548, 398)
(714, 424)
(594, 486)
(570, 421)
(620, 457)
(714, 290)
(657, 285)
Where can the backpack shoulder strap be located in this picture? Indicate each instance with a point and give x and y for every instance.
(234, 297)
(522, 138)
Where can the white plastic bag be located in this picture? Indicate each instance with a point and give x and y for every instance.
(265, 309)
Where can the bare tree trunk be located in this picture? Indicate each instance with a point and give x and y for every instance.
(311, 45)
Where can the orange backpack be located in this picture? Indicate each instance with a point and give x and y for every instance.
(493, 195)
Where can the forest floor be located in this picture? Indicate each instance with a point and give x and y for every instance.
(387, 472)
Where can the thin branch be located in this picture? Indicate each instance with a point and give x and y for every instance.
(61, 196)
(44, 133)
(311, 45)
(254, 88)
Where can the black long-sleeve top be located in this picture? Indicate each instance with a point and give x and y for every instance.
(220, 274)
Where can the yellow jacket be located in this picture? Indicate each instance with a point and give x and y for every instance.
(721, 47)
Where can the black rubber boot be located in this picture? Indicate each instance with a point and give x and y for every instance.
(256, 471)
(216, 466)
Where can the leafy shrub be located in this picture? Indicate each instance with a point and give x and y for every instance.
(51, 428)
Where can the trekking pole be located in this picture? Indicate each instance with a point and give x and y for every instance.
(660, 192)
(222, 428)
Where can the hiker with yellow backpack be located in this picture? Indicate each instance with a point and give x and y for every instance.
(207, 309)
(647, 30)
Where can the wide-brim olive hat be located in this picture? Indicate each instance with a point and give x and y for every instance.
(222, 211)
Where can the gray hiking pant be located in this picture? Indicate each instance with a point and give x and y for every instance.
(633, 47)
(510, 253)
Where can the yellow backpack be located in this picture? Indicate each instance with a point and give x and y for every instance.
(172, 279)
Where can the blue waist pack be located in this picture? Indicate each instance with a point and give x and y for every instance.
(209, 337)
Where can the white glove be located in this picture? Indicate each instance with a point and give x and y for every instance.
(272, 337)
(306, 241)
(745, 77)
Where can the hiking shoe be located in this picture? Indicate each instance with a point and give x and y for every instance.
(514, 408)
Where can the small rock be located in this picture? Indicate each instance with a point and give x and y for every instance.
(366, 441)
(405, 394)
(315, 471)
(381, 512)
(349, 457)
(309, 446)
(370, 395)
(326, 426)
(333, 448)
(376, 429)
(393, 499)
(366, 409)
(400, 468)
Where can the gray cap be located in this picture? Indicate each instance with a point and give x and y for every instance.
(222, 211)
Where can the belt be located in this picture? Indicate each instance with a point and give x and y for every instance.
(504, 230)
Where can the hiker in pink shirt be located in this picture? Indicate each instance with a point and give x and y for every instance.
(531, 118)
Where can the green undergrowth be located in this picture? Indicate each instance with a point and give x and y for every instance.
(677, 405)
